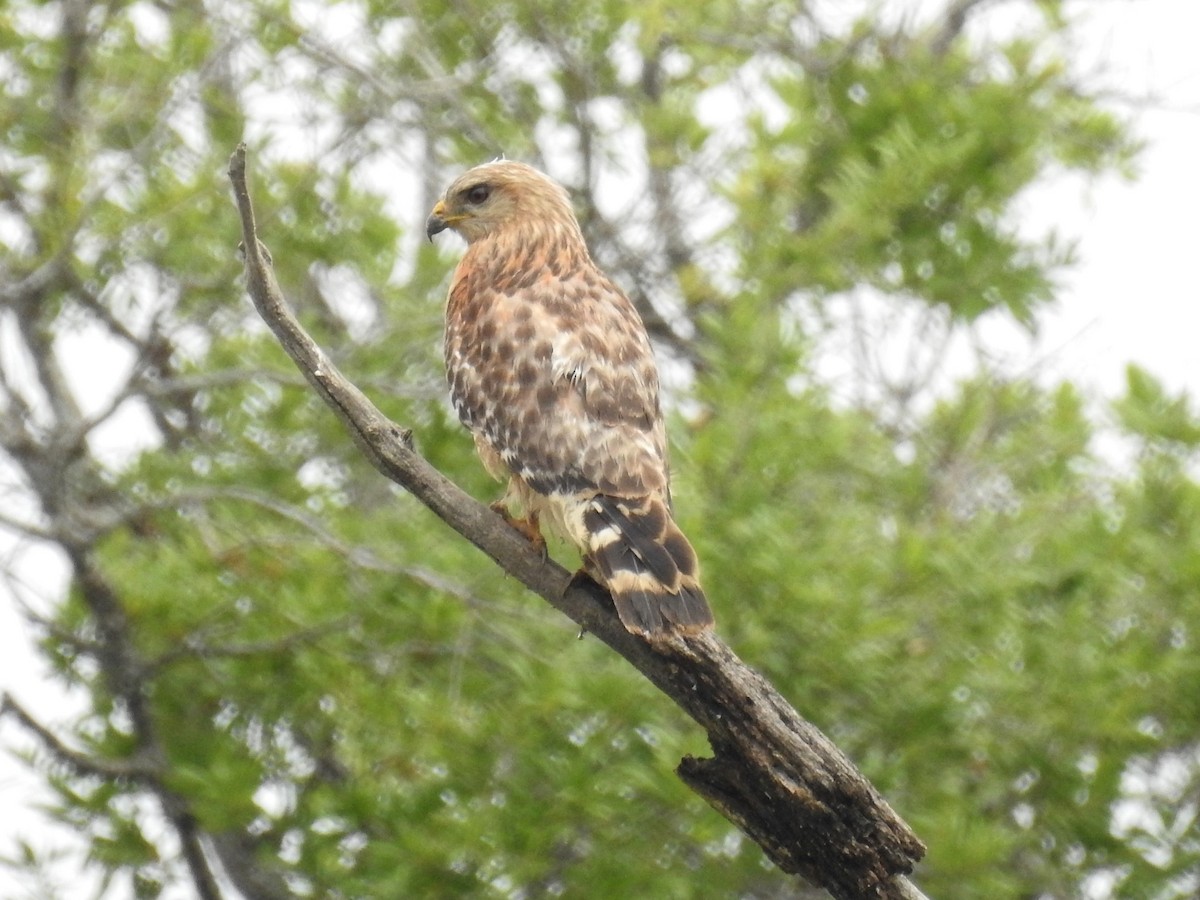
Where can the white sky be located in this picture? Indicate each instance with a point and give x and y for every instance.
(1135, 296)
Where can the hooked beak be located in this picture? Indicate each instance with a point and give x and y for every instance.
(436, 224)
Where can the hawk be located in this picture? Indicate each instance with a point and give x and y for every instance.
(551, 370)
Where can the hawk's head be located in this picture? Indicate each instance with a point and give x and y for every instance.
(500, 195)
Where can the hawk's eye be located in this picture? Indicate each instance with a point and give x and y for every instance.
(478, 194)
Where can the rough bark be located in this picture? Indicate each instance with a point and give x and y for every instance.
(773, 774)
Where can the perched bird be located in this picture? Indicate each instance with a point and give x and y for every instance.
(551, 369)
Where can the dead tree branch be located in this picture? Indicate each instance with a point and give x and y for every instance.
(81, 763)
(773, 774)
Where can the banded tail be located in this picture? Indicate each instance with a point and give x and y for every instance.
(647, 564)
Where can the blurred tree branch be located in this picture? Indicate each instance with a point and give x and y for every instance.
(773, 773)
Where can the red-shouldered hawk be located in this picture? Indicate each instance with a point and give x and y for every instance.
(551, 369)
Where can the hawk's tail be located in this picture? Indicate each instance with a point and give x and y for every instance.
(645, 561)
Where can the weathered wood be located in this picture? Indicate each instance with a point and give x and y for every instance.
(773, 774)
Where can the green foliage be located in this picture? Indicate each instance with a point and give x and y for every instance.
(999, 629)
(895, 170)
(1148, 412)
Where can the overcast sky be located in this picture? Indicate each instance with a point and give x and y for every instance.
(1135, 295)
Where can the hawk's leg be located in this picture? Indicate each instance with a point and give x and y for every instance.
(529, 527)
(587, 572)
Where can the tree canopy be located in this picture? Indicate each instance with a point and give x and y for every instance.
(298, 682)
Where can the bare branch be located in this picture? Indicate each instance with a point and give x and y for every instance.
(194, 647)
(126, 672)
(133, 768)
(90, 302)
(33, 286)
(203, 381)
(952, 24)
(773, 773)
(38, 339)
(25, 528)
(236, 851)
(362, 557)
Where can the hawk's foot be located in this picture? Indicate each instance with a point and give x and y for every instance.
(529, 527)
(584, 578)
